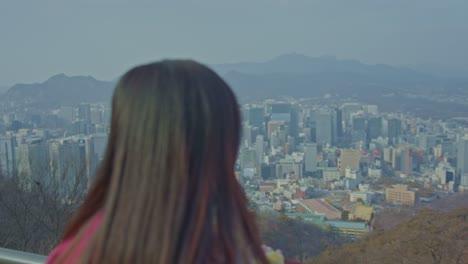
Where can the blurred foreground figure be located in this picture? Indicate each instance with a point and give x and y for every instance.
(166, 190)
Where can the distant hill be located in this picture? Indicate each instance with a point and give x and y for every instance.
(294, 75)
(301, 64)
(429, 237)
(60, 90)
(303, 76)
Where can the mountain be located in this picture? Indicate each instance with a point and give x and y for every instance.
(440, 70)
(300, 64)
(429, 237)
(294, 75)
(303, 76)
(394, 89)
(60, 89)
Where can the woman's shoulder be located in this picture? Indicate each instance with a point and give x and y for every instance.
(80, 241)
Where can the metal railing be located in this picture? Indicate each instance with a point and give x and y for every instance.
(9, 256)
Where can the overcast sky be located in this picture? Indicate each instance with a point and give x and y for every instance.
(40, 38)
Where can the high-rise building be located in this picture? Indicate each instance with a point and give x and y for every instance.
(359, 123)
(32, 161)
(256, 116)
(66, 166)
(294, 122)
(402, 160)
(462, 161)
(88, 155)
(259, 149)
(291, 145)
(374, 128)
(246, 134)
(84, 112)
(324, 128)
(449, 147)
(7, 156)
(312, 130)
(248, 158)
(82, 127)
(100, 145)
(274, 139)
(359, 132)
(393, 129)
(74, 161)
(310, 157)
(388, 154)
(337, 126)
(97, 114)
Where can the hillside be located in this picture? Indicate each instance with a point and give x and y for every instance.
(296, 238)
(60, 90)
(429, 237)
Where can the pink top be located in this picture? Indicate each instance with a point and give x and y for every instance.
(89, 232)
(63, 247)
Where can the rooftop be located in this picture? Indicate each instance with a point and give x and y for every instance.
(346, 224)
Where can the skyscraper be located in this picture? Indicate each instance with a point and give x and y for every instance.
(359, 123)
(88, 154)
(74, 161)
(7, 156)
(310, 157)
(100, 144)
(246, 134)
(394, 129)
(324, 127)
(462, 160)
(256, 116)
(248, 158)
(291, 144)
(337, 126)
(374, 127)
(259, 149)
(32, 161)
(294, 122)
(84, 112)
(359, 132)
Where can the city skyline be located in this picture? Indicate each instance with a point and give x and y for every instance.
(50, 37)
(343, 120)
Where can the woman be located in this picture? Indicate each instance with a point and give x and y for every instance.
(166, 190)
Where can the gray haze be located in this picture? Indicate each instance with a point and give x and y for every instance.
(39, 38)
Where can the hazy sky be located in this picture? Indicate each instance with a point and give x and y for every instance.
(39, 38)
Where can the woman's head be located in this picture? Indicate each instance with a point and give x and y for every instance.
(167, 184)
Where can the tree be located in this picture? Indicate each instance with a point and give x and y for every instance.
(429, 237)
(35, 207)
(296, 238)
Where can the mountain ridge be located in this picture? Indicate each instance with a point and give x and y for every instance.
(298, 63)
(292, 74)
(60, 89)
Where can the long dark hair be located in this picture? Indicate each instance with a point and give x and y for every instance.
(166, 185)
